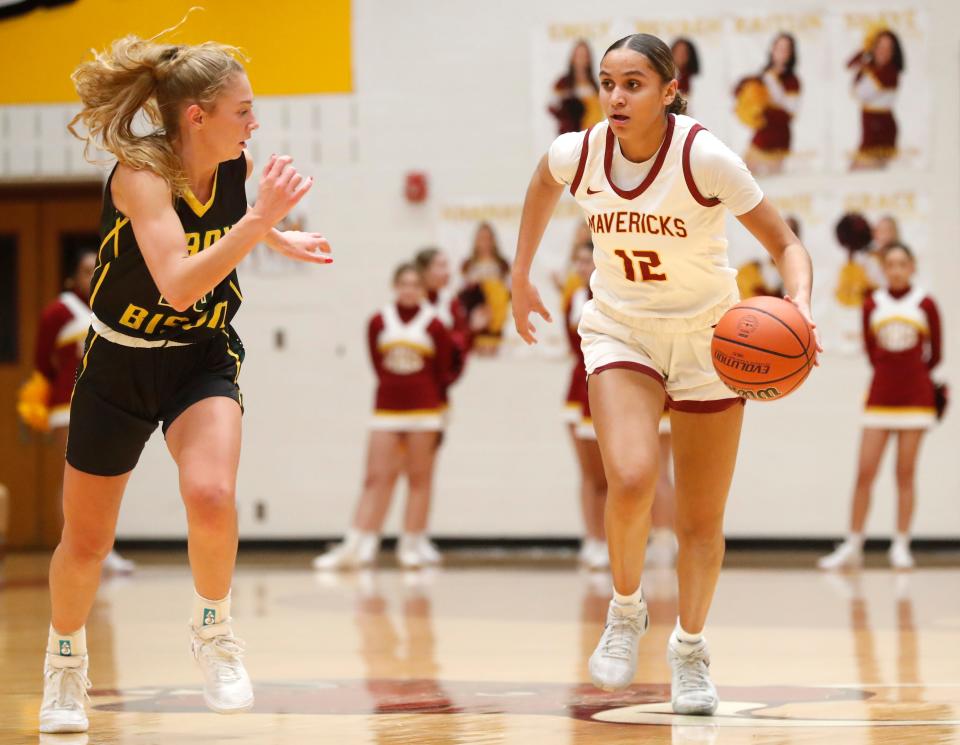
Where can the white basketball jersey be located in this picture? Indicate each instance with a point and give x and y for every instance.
(406, 345)
(660, 249)
(899, 323)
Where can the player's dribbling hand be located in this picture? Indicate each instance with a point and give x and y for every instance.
(804, 307)
(526, 300)
(281, 187)
(295, 244)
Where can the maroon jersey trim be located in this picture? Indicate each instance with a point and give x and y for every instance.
(581, 166)
(634, 366)
(657, 164)
(688, 172)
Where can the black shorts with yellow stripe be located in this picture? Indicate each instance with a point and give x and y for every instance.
(122, 393)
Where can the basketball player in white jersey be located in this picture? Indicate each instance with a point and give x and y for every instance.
(652, 184)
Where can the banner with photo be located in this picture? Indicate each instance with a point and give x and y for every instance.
(474, 233)
(566, 58)
(776, 63)
(862, 222)
(880, 109)
(699, 53)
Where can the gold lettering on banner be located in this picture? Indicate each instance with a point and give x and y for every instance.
(898, 20)
(900, 203)
(505, 212)
(678, 26)
(571, 31)
(798, 204)
(794, 22)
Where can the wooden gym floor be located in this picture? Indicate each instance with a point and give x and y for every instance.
(482, 652)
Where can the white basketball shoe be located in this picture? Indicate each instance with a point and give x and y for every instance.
(356, 550)
(614, 662)
(64, 696)
(848, 555)
(691, 690)
(226, 685)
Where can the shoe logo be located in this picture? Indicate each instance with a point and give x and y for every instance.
(592, 192)
(209, 616)
(65, 648)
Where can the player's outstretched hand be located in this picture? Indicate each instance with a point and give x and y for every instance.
(281, 187)
(526, 300)
(311, 247)
(804, 308)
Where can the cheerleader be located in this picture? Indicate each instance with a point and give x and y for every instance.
(411, 353)
(593, 482)
(877, 71)
(486, 296)
(434, 268)
(776, 96)
(687, 60)
(63, 327)
(902, 335)
(575, 103)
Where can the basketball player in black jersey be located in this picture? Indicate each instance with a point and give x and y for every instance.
(161, 349)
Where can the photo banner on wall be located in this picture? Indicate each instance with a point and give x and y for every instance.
(466, 229)
(845, 230)
(699, 53)
(776, 63)
(880, 108)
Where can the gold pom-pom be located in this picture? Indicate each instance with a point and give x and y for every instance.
(752, 100)
(33, 403)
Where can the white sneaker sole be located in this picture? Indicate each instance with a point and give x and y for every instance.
(699, 711)
(64, 728)
(246, 706)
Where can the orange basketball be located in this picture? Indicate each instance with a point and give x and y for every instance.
(763, 348)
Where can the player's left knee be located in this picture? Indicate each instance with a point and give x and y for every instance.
(209, 500)
(700, 533)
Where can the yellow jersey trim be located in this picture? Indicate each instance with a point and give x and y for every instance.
(113, 235)
(103, 276)
(236, 357)
(901, 319)
(425, 351)
(236, 290)
(201, 209)
(901, 410)
(408, 412)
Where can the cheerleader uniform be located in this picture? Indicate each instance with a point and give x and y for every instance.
(63, 328)
(876, 90)
(577, 408)
(412, 353)
(772, 139)
(902, 334)
(451, 314)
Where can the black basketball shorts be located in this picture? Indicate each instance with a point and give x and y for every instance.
(122, 393)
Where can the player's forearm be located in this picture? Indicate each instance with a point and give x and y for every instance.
(796, 269)
(194, 276)
(542, 197)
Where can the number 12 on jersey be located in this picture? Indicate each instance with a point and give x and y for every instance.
(646, 260)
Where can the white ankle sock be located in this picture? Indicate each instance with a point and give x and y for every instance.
(634, 598)
(210, 612)
(65, 649)
(855, 540)
(902, 539)
(686, 637)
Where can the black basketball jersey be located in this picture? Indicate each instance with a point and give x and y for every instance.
(123, 294)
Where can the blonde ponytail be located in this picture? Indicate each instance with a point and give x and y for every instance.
(137, 75)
